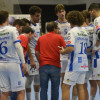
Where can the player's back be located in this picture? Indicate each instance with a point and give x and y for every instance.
(78, 58)
(8, 36)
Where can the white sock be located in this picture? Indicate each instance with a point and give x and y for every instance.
(8, 98)
(74, 97)
(28, 95)
(92, 97)
(36, 94)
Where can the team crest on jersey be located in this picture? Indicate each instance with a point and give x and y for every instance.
(68, 42)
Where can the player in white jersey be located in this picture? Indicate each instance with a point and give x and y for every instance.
(77, 42)
(89, 29)
(35, 13)
(64, 27)
(94, 10)
(11, 56)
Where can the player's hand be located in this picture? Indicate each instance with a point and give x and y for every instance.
(32, 63)
(26, 74)
(61, 49)
(24, 68)
(94, 52)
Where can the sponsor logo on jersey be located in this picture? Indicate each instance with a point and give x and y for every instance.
(4, 33)
(68, 42)
(82, 34)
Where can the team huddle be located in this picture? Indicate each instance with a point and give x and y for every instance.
(69, 52)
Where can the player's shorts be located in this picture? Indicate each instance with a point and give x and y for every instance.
(64, 64)
(29, 79)
(11, 77)
(89, 73)
(32, 71)
(96, 69)
(73, 78)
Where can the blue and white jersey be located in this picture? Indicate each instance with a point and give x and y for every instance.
(78, 38)
(96, 28)
(64, 28)
(34, 39)
(89, 30)
(8, 38)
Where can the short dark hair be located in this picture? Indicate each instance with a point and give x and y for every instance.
(75, 18)
(59, 7)
(19, 22)
(51, 26)
(26, 21)
(27, 29)
(34, 9)
(85, 14)
(94, 6)
(3, 16)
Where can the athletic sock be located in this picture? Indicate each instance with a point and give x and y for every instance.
(8, 98)
(36, 95)
(28, 95)
(92, 97)
(74, 97)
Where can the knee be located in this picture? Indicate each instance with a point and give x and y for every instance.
(6, 93)
(64, 86)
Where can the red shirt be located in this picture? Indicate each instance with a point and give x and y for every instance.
(47, 45)
(24, 42)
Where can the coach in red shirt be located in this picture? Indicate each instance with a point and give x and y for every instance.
(48, 56)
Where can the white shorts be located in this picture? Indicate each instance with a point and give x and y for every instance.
(96, 69)
(73, 78)
(64, 64)
(11, 77)
(32, 71)
(89, 75)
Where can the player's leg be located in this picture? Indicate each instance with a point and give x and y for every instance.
(69, 80)
(74, 93)
(81, 91)
(98, 82)
(80, 85)
(28, 83)
(65, 92)
(21, 95)
(36, 86)
(86, 92)
(93, 89)
(4, 95)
